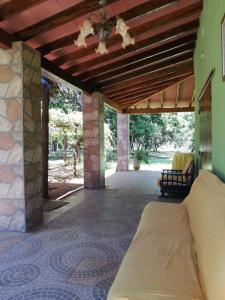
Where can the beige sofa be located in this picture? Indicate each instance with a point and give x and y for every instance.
(178, 252)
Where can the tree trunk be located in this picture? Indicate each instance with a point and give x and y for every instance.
(54, 146)
(74, 162)
(78, 153)
(65, 144)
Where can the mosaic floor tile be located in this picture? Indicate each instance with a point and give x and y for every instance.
(19, 275)
(64, 236)
(23, 249)
(46, 293)
(125, 243)
(108, 228)
(84, 260)
(75, 257)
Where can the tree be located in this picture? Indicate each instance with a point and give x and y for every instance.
(111, 121)
(68, 130)
(66, 99)
(147, 132)
(150, 132)
(180, 129)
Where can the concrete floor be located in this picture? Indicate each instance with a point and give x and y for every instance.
(78, 253)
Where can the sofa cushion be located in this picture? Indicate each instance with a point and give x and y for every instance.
(160, 262)
(180, 159)
(206, 210)
(187, 165)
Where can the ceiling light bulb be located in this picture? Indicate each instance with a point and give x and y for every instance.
(86, 28)
(127, 40)
(121, 27)
(101, 48)
(80, 41)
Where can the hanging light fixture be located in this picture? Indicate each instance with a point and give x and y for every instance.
(103, 28)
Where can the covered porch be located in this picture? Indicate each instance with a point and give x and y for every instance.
(166, 66)
(153, 76)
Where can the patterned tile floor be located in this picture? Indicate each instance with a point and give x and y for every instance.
(77, 255)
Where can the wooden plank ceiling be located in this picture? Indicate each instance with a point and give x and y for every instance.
(144, 77)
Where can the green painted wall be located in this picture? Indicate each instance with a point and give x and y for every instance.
(209, 44)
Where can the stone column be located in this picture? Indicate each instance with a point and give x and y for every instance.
(20, 150)
(122, 142)
(94, 156)
(45, 136)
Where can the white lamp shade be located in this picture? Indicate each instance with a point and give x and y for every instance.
(80, 41)
(127, 40)
(101, 48)
(86, 28)
(121, 27)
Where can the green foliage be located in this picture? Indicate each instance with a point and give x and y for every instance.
(62, 124)
(180, 129)
(65, 99)
(141, 156)
(146, 132)
(110, 155)
(149, 132)
(111, 122)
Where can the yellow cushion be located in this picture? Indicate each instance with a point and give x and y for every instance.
(159, 263)
(187, 165)
(180, 159)
(206, 210)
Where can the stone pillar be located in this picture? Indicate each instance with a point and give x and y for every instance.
(122, 142)
(94, 154)
(45, 136)
(20, 150)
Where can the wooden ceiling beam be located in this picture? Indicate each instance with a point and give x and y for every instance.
(130, 14)
(119, 64)
(145, 65)
(162, 99)
(192, 98)
(133, 94)
(147, 83)
(142, 95)
(127, 103)
(146, 61)
(61, 18)
(178, 93)
(134, 100)
(148, 70)
(46, 64)
(14, 7)
(159, 37)
(139, 111)
(142, 92)
(161, 89)
(181, 9)
(113, 104)
(181, 68)
(157, 90)
(7, 40)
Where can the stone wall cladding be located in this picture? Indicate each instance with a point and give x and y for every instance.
(20, 159)
(32, 95)
(122, 142)
(94, 157)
